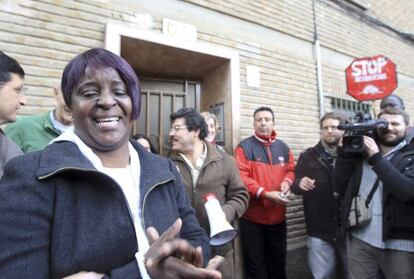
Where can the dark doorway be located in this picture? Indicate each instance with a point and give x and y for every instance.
(160, 98)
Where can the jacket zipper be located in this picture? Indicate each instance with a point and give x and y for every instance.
(145, 198)
(269, 154)
(131, 218)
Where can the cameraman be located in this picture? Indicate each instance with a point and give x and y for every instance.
(386, 243)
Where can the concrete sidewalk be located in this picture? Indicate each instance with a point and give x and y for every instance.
(297, 265)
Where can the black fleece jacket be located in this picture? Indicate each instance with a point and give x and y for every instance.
(321, 210)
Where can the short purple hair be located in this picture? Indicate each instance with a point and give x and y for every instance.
(96, 59)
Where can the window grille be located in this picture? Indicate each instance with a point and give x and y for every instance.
(349, 108)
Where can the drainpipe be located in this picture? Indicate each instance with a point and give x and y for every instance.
(317, 54)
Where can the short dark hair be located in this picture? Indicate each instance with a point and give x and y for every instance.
(193, 120)
(9, 66)
(396, 111)
(332, 115)
(96, 59)
(400, 101)
(264, 109)
(142, 136)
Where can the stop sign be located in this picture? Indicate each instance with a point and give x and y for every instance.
(371, 78)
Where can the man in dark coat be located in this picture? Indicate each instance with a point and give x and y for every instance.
(314, 181)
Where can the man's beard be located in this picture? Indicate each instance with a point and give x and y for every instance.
(332, 143)
(390, 143)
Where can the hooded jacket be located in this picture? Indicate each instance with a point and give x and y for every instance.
(59, 215)
(263, 166)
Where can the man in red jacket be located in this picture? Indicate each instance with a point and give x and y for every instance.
(267, 169)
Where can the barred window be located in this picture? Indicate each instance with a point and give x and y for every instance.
(349, 108)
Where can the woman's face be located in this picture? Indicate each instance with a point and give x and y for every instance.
(211, 125)
(101, 108)
(144, 143)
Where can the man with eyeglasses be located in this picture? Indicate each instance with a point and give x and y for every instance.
(314, 171)
(11, 99)
(204, 169)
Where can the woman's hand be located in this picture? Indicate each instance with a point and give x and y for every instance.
(169, 257)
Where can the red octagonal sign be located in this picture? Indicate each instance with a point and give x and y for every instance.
(371, 78)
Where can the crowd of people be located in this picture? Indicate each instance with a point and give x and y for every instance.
(87, 200)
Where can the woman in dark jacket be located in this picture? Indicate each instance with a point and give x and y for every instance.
(85, 202)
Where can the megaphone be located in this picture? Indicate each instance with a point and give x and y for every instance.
(221, 232)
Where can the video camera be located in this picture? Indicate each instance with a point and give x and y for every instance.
(363, 125)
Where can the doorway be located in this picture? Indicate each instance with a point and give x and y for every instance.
(159, 99)
(153, 54)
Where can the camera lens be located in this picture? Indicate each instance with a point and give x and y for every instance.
(357, 143)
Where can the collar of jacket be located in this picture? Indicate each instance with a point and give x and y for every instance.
(47, 122)
(212, 154)
(267, 140)
(65, 156)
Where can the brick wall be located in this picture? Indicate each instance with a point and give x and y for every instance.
(44, 35)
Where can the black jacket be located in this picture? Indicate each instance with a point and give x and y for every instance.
(59, 215)
(321, 209)
(397, 176)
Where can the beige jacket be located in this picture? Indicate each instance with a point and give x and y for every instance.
(220, 175)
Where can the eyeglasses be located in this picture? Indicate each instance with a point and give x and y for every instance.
(176, 128)
(20, 90)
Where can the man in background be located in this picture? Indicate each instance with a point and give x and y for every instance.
(204, 169)
(384, 177)
(394, 101)
(11, 99)
(34, 132)
(314, 170)
(267, 167)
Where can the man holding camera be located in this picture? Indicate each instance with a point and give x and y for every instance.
(314, 182)
(384, 179)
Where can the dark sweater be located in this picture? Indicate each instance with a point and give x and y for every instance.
(321, 210)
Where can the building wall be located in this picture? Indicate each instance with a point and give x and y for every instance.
(276, 36)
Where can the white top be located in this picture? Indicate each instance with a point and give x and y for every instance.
(58, 125)
(195, 170)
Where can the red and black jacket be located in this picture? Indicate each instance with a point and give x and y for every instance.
(264, 164)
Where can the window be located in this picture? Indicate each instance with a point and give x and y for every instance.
(349, 108)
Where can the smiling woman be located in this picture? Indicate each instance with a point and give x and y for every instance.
(85, 201)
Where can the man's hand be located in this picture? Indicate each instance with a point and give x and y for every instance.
(168, 257)
(285, 187)
(370, 146)
(307, 184)
(276, 197)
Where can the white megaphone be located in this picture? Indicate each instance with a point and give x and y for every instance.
(221, 232)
